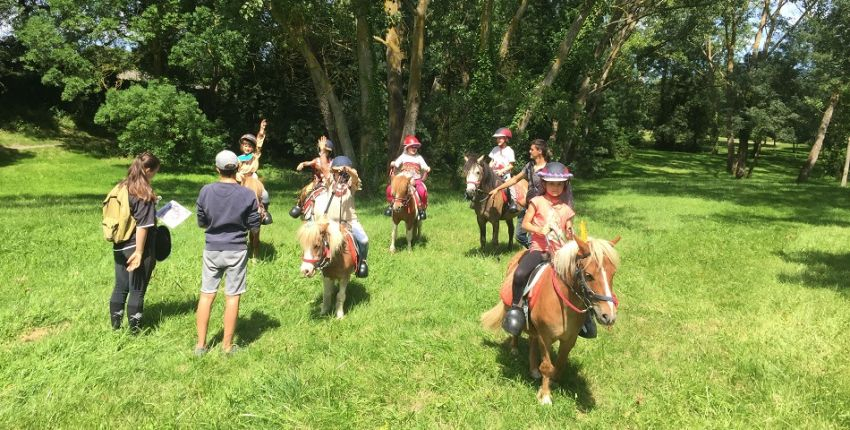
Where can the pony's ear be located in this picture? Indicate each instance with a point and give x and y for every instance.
(481, 158)
(465, 158)
(615, 240)
(583, 247)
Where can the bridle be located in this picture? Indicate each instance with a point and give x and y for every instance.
(325, 255)
(478, 191)
(581, 290)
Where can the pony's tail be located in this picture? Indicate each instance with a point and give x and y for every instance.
(492, 319)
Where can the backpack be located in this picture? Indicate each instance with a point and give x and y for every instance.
(118, 222)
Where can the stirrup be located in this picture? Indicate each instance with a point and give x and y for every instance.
(514, 321)
(362, 270)
(295, 212)
(388, 211)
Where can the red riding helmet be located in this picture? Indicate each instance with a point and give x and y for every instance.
(503, 132)
(410, 141)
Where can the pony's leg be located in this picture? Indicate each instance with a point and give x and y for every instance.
(544, 395)
(327, 294)
(564, 348)
(340, 297)
(482, 231)
(409, 235)
(534, 357)
(496, 233)
(510, 222)
(392, 237)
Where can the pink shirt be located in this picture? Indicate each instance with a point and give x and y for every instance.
(543, 207)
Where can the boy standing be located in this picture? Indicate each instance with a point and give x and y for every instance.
(227, 211)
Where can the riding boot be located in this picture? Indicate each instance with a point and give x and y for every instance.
(588, 330)
(388, 211)
(512, 207)
(115, 318)
(362, 268)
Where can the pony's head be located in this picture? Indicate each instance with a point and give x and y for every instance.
(320, 240)
(474, 171)
(588, 269)
(400, 187)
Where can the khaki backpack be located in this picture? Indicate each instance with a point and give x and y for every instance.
(118, 222)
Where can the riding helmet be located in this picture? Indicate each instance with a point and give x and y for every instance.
(503, 132)
(329, 145)
(410, 141)
(555, 172)
(341, 161)
(162, 247)
(250, 138)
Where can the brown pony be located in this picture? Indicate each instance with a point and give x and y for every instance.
(578, 283)
(480, 180)
(326, 246)
(254, 184)
(404, 209)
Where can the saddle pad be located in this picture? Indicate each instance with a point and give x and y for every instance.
(532, 293)
(352, 246)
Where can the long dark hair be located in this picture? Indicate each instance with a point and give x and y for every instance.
(543, 146)
(137, 181)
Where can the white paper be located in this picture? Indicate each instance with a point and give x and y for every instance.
(172, 214)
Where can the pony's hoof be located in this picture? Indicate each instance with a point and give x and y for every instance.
(544, 399)
(324, 311)
(392, 250)
(340, 315)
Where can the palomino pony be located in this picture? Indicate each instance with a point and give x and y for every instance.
(404, 209)
(327, 246)
(480, 180)
(254, 184)
(577, 283)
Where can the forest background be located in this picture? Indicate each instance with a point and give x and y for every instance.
(596, 77)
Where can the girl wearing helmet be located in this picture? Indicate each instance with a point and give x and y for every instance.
(549, 220)
(249, 162)
(502, 161)
(338, 204)
(411, 161)
(321, 166)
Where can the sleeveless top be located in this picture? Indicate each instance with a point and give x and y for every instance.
(544, 208)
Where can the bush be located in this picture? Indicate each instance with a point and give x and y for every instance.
(163, 120)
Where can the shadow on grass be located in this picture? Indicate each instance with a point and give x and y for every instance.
(9, 156)
(355, 296)
(249, 329)
(822, 270)
(268, 252)
(401, 241)
(497, 251)
(571, 385)
(156, 313)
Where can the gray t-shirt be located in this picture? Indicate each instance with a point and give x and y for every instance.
(227, 211)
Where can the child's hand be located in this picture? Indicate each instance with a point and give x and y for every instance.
(262, 125)
(300, 167)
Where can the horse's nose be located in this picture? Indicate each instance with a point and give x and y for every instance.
(606, 318)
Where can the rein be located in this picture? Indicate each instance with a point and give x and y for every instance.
(586, 295)
(321, 263)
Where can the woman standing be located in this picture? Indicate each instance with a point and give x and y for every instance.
(539, 154)
(134, 258)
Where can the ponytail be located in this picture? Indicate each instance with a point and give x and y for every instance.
(137, 181)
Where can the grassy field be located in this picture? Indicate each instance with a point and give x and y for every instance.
(733, 311)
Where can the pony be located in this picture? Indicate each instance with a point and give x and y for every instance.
(577, 284)
(327, 246)
(480, 180)
(254, 184)
(404, 209)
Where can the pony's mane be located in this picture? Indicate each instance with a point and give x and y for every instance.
(565, 259)
(488, 177)
(400, 183)
(309, 234)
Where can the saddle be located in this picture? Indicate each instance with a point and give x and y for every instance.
(529, 292)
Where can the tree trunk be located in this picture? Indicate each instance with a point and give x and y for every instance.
(622, 36)
(765, 12)
(417, 52)
(395, 97)
(326, 96)
(563, 52)
(365, 64)
(484, 28)
(730, 37)
(846, 165)
(815, 152)
(743, 147)
(504, 47)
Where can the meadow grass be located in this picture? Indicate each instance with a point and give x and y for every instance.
(733, 311)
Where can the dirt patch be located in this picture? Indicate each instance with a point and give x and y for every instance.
(34, 334)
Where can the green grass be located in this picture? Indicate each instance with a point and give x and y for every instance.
(733, 311)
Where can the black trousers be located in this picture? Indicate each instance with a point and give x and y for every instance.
(526, 264)
(132, 284)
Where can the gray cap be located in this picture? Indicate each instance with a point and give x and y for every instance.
(226, 160)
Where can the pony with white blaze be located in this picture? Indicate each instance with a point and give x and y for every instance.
(327, 246)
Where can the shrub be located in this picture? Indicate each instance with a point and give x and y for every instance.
(159, 118)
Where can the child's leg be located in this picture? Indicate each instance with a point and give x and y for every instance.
(235, 286)
(211, 275)
(423, 194)
(231, 313)
(202, 317)
(389, 194)
(121, 289)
